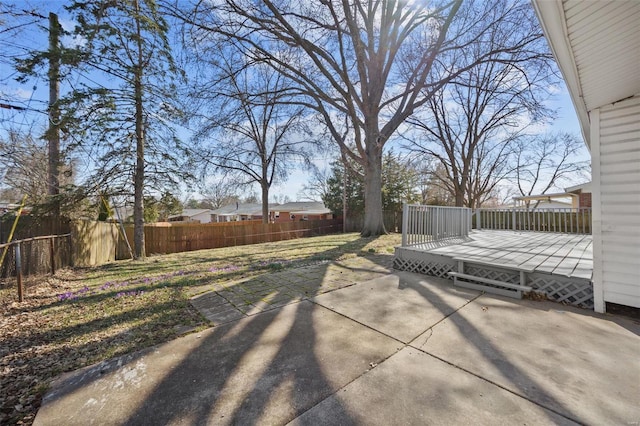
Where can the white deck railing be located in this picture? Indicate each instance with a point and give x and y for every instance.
(427, 224)
(573, 221)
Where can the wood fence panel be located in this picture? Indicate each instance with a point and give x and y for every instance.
(392, 221)
(36, 254)
(93, 243)
(180, 237)
(30, 226)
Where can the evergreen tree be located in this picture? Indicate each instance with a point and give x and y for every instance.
(399, 185)
(124, 119)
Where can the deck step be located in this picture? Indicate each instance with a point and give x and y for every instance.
(517, 288)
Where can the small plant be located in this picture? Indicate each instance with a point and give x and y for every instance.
(275, 267)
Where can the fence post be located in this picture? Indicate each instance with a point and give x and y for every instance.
(52, 255)
(18, 256)
(478, 219)
(405, 222)
(513, 219)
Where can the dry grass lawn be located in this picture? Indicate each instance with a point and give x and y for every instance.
(83, 316)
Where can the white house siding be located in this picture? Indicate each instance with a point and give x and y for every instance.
(204, 217)
(603, 37)
(615, 140)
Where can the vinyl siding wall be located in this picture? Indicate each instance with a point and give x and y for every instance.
(615, 152)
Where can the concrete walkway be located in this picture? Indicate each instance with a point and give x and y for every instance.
(392, 348)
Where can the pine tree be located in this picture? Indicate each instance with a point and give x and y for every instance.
(124, 119)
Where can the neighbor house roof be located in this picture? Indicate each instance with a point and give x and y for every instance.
(586, 187)
(544, 197)
(249, 209)
(598, 53)
(190, 213)
(8, 205)
(302, 207)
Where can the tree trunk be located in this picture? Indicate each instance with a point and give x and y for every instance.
(459, 197)
(373, 221)
(53, 134)
(138, 180)
(265, 202)
(460, 188)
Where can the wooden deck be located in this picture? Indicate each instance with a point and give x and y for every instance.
(567, 255)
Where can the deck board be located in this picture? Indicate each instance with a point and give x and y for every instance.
(570, 263)
(569, 255)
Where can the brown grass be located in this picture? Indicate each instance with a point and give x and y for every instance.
(83, 316)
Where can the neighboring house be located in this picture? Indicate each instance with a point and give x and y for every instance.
(192, 215)
(575, 197)
(237, 212)
(583, 195)
(6, 207)
(277, 212)
(560, 200)
(12, 208)
(300, 210)
(597, 46)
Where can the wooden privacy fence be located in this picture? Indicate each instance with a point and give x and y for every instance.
(29, 227)
(37, 255)
(94, 243)
(572, 221)
(180, 237)
(392, 221)
(88, 243)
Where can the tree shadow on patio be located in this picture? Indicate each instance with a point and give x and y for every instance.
(267, 367)
(531, 374)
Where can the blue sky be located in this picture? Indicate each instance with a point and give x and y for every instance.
(25, 95)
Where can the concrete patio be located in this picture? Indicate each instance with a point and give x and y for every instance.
(392, 348)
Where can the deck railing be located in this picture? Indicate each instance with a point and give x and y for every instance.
(427, 224)
(572, 221)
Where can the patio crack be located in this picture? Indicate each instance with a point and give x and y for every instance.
(426, 336)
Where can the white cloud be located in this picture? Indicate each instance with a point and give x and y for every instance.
(17, 92)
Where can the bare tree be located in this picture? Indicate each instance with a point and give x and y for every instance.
(547, 161)
(24, 170)
(317, 187)
(281, 199)
(432, 183)
(219, 190)
(364, 66)
(23, 167)
(257, 132)
(471, 125)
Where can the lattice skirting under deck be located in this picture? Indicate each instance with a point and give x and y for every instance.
(572, 291)
(416, 261)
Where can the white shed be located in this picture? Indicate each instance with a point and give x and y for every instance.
(597, 46)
